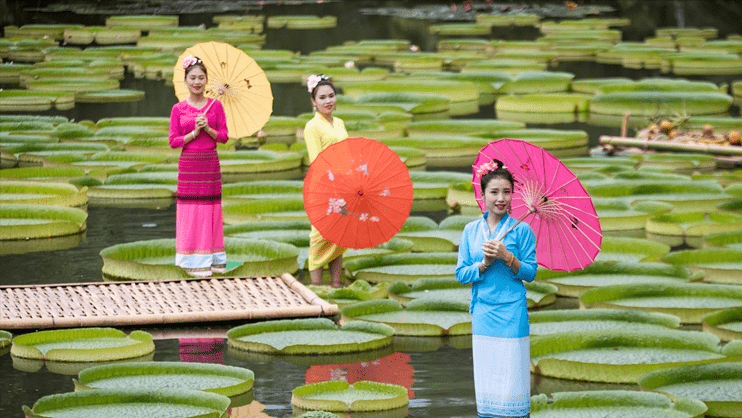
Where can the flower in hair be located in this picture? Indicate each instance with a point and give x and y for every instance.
(313, 80)
(486, 168)
(190, 60)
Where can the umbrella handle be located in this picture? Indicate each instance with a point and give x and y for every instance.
(530, 211)
(209, 107)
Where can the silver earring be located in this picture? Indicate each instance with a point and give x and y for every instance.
(314, 108)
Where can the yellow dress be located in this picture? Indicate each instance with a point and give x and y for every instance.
(320, 134)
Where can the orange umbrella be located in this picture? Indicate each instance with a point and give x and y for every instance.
(357, 193)
(236, 80)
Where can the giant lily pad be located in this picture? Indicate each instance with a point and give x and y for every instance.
(40, 221)
(690, 227)
(685, 196)
(217, 378)
(678, 161)
(427, 237)
(543, 103)
(661, 84)
(459, 126)
(448, 288)
(690, 301)
(716, 385)
(22, 192)
(726, 324)
(458, 91)
(442, 150)
(5, 339)
(164, 403)
(243, 162)
(719, 265)
(153, 259)
(357, 291)
(623, 357)
(82, 345)
(561, 143)
(309, 336)
(648, 103)
(619, 320)
(619, 215)
(604, 403)
(406, 267)
(358, 397)
(423, 317)
(616, 273)
(628, 249)
(264, 209)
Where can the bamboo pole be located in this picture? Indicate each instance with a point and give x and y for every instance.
(671, 146)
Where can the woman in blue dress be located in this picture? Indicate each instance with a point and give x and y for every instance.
(496, 268)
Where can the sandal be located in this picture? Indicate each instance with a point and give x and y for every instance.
(199, 272)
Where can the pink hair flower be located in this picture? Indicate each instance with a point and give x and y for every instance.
(190, 60)
(486, 168)
(313, 80)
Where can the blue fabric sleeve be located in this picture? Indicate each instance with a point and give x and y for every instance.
(527, 244)
(467, 269)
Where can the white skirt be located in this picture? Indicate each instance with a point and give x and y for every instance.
(502, 376)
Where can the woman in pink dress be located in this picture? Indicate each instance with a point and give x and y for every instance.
(197, 124)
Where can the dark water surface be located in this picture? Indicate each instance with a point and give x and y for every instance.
(437, 373)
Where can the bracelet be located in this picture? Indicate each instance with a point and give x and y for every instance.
(485, 264)
(511, 260)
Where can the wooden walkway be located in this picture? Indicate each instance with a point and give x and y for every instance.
(158, 302)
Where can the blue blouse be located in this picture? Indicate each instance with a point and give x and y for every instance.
(497, 285)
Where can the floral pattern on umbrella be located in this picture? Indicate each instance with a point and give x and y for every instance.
(358, 193)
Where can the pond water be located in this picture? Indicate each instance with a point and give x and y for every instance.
(437, 374)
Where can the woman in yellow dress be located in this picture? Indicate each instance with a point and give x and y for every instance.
(319, 133)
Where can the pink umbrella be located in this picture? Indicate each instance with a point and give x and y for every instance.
(551, 199)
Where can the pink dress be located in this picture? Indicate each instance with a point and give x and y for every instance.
(199, 230)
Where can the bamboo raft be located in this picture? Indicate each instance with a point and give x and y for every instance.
(718, 150)
(158, 302)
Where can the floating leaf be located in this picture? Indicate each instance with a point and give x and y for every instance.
(690, 302)
(216, 378)
(568, 320)
(604, 403)
(162, 403)
(82, 345)
(422, 317)
(309, 336)
(716, 385)
(340, 396)
(622, 357)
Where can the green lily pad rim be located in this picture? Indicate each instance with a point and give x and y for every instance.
(23, 345)
(666, 320)
(613, 292)
(714, 371)
(120, 260)
(620, 398)
(88, 377)
(216, 402)
(618, 267)
(384, 332)
(397, 396)
(401, 259)
(699, 257)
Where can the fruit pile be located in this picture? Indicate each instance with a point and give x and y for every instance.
(667, 131)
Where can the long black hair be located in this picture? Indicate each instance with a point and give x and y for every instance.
(499, 171)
